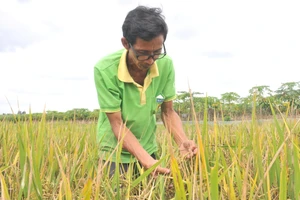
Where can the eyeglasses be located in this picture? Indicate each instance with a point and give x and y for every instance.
(154, 56)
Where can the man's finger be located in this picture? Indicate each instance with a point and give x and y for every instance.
(162, 170)
(195, 150)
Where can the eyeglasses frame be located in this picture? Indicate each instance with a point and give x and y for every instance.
(149, 56)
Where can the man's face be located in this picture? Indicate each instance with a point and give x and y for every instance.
(144, 53)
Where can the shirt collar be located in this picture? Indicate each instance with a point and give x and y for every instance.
(123, 73)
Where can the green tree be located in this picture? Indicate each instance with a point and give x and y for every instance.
(94, 115)
(229, 99)
(182, 104)
(262, 94)
(51, 115)
(289, 93)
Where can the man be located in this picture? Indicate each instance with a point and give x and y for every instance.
(131, 84)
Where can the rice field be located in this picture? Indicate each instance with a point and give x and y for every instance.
(245, 160)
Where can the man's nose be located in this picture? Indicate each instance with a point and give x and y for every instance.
(150, 60)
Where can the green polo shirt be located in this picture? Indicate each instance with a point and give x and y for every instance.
(117, 91)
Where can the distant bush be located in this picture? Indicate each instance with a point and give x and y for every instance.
(227, 118)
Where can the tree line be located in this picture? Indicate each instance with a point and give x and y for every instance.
(229, 107)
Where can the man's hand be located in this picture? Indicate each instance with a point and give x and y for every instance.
(158, 170)
(188, 149)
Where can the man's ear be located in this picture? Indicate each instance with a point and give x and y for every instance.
(125, 43)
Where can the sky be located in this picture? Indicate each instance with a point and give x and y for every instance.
(48, 48)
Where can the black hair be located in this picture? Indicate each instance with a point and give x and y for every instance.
(145, 23)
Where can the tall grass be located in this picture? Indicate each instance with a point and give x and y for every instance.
(59, 160)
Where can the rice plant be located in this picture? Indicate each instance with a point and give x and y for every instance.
(246, 160)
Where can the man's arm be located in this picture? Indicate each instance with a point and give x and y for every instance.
(131, 143)
(173, 123)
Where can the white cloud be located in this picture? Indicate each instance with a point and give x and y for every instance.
(217, 46)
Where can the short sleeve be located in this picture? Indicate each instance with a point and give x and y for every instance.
(107, 91)
(169, 91)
